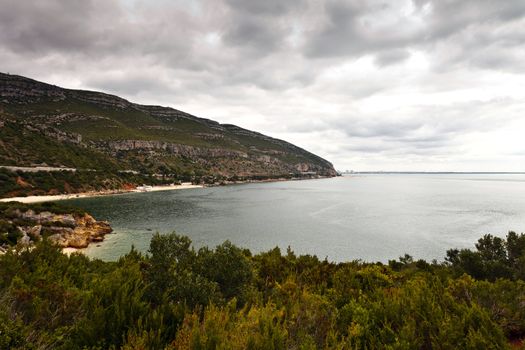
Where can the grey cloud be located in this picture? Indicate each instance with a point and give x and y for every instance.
(394, 148)
(434, 123)
(262, 27)
(62, 26)
(390, 57)
(482, 34)
(131, 84)
(356, 28)
(341, 35)
(354, 127)
(267, 7)
(421, 130)
(448, 17)
(349, 30)
(292, 62)
(365, 149)
(254, 33)
(487, 46)
(97, 29)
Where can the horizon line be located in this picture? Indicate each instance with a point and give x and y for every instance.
(431, 172)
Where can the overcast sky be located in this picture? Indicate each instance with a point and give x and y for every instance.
(433, 85)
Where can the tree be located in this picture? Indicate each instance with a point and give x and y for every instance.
(167, 253)
(229, 267)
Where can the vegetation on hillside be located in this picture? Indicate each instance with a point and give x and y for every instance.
(177, 297)
(42, 123)
(22, 146)
(21, 183)
(115, 144)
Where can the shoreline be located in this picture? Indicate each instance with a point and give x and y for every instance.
(60, 197)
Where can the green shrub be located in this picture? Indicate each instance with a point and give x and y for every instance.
(179, 298)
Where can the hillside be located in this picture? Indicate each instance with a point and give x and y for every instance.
(46, 124)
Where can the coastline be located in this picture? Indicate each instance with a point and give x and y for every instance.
(279, 179)
(71, 250)
(59, 197)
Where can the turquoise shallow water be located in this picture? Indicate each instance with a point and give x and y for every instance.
(368, 217)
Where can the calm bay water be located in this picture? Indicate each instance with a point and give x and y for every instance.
(368, 217)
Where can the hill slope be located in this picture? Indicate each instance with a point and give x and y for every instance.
(46, 124)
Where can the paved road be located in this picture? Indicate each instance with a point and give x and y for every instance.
(34, 169)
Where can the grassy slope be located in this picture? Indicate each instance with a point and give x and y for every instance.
(23, 147)
(33, 115)
(131, 123)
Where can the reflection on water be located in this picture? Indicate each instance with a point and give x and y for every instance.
(368, 217)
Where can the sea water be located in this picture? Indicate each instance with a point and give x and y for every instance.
(374, 217)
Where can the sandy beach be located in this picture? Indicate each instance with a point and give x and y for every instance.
(49, 198)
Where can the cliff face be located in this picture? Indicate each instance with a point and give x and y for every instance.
(114, 147)
(15, 89)
(150, 139)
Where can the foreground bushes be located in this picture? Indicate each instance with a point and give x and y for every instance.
(176, 297)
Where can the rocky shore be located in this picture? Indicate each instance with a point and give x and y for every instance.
(74, 230)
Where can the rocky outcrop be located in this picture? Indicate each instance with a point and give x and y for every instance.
(66, 230)
(16, 90)
(85, 231)
(172, 148)
(99, 98)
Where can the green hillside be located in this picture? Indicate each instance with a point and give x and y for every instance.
(42, 124)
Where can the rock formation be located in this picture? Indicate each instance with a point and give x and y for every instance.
(67, 230)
